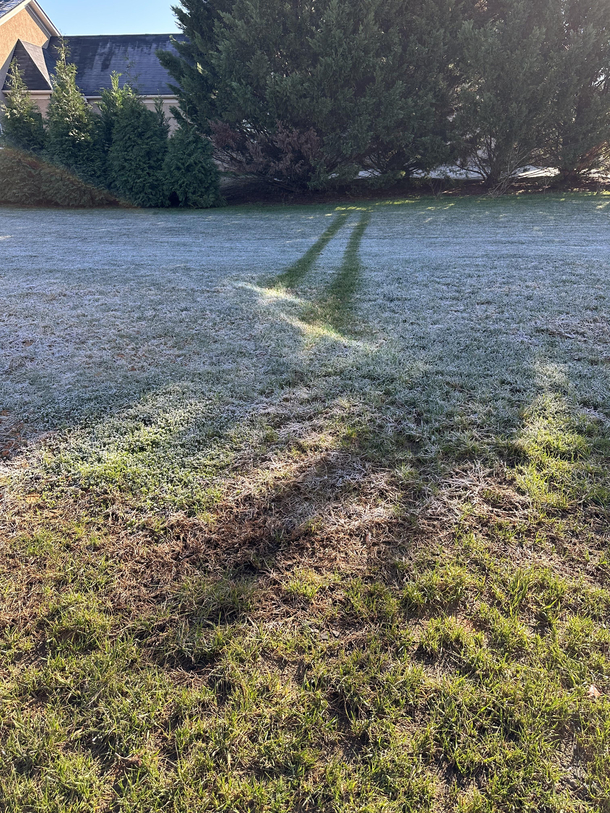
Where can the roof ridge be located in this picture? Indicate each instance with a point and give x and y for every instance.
(9, 5)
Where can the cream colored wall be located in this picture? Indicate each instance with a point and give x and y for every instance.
(168, 102)
(42, 100)
(20, 26)
(149, 101)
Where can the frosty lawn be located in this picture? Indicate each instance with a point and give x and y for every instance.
(313, 509)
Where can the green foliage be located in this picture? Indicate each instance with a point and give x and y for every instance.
(26, 180)
(534, 86)
(310, 95)
(22, 124)
(137, 153)
(72, 128)
(577, 135)
(506, 96)
(196, 80)
(191, 176)
(112, 101)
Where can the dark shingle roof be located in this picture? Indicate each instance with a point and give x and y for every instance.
(31, 60)
(133, 55)
(8, 5)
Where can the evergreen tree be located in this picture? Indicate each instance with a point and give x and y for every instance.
(305, 93)
(137, 153)
(22, 123)
(111, 102)
(580, 129)
(505, 101)
(193, 69)
(72, 127)
(191, 176)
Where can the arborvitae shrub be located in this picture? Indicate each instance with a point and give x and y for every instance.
(191, 176)
(22, 123)
(137, 154)
(111, 102)
(73, 129)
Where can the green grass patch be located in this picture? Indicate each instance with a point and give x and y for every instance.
(291, 277)
(339, 543)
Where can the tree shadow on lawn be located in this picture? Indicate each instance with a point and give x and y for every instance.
(332, 308)
(331, 312)
(335, 305)
(341, 609)
(486, 574)
(331, 583)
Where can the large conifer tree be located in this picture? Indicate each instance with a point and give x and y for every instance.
(22, 123)
(506, 97)
(580, 128)
(304, 93)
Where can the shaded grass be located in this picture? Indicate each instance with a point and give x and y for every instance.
(369, 578)
(248, 664)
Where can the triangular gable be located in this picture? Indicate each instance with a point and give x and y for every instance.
(31, 61)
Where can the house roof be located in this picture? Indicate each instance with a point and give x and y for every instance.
(132, 55)
(31, 60)
(8, 5)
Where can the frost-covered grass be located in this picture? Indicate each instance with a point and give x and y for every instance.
(306, 508)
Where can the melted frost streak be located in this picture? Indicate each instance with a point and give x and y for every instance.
(456, 298)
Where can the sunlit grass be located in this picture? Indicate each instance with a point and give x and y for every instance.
(314, 510)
